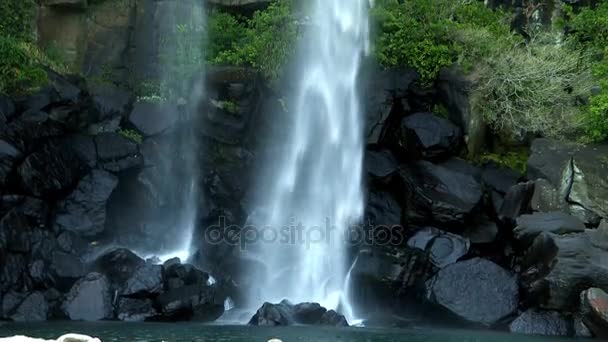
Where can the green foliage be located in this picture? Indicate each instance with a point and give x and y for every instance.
(532, 89)
(264, 42)
(20, 70)
(229, 106)
(427, 34)
(17, 18)
(515, 159)
(131, 134)
(589, 28)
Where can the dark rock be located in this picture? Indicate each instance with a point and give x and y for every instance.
(426, 136)
(66, 89)
(8, 150)
(389, 273)
(84, 146)
(530, 226)
(308, 313)
(549, 159)
(51, 171)
(547, 198)
(439, 194)
(380, 164)
(118, 265)
(191, 302)
(384, 89)
(71, 243)
(273, 315)
(10, 302)
(33, 308)
(13, 273)
(89, 299)
(33, 126)
(109, 100)
(19, 223)
(65, 269)
(558, 266)
(84, 210)
(382, 209)
(153, 118)
(534, 322)
(594, 311)
(147, 280)
(498, 178)
(475, 290)
(333, 318)
(581, 330)
(516, 201)
(481, 231)
(443, 248)
(7, 108)
(40, 99)
(117, 153)
(135, 310)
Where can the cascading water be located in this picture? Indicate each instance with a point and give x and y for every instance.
(181, 26)
(316, 189)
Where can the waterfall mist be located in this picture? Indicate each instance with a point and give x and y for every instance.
(316, 178)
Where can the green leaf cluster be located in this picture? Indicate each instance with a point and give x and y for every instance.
(17, 19)
(20, 71)
(264, 42)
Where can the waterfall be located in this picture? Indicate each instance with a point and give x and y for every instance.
(181, 78)
(317, 178)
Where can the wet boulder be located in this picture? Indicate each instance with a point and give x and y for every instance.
(118, 265)
(84, 146)
(18, 225)
(272, 315)
(498, 178)
(382, 209)
(380, 165)
(31, 127)
(117, 153)
(308, 313)
(536, 322)
(51, 171)
(530, 226)
(33, 308)
(199, 302)
(10, 302)
(13, 273)
(482, 230)
(147, 280)
(89, 299)
(7, 108)
(65, 269)
(546, 198)
(153, 118)
(135, 310)
(109, 100)
(442, 247)
(84, 210)
(475, 290)
(333, 318)
(426, 136)
(440, 193)
(556, 267)
(594, 311)
(516, 202)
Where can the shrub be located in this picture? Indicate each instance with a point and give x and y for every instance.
(17, 19)
(131, 134)
(19, 69)
(264, 42)
(532, 89)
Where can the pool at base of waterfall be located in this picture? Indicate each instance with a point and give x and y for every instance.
(196, 332)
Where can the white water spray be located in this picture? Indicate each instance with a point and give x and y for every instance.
(317, 180)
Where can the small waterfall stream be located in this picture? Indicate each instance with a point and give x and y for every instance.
(317, 179)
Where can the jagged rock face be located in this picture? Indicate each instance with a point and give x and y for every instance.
(426, 136)
(535, 322)
(443, 248)
(475, 290)
(33, 308)
(594, 311)
(135, 310)
(558, 266)
(440, 193)
(153, 118)
(530, 226)
(84, 210)
(576, 173)
(89, 299)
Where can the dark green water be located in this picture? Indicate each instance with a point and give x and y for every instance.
(148, 332)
